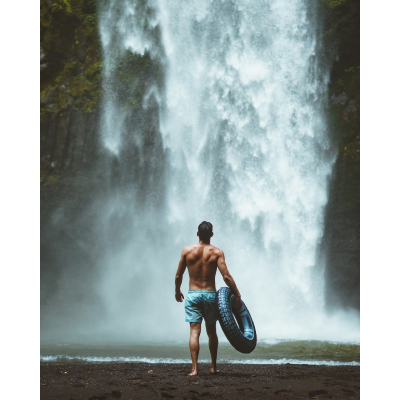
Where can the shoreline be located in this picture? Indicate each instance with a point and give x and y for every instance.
(66, 359)
(109, 380)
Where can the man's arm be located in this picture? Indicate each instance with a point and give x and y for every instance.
(178, 277)
(228, 279)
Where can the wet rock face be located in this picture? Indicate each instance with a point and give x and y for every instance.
(342, 216)
(343, 260)
(69, 141)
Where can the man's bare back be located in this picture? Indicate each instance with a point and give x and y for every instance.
(202, 261)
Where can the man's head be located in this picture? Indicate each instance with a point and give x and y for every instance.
(205, 230)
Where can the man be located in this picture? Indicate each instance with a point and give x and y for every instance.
(202, 260)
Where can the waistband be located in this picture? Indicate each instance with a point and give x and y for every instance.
(202, 291)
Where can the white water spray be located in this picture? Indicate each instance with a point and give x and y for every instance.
(246, 147)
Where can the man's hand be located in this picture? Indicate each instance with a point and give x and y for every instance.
(237, 302)
(179, 296)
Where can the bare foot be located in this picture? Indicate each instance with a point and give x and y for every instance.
(214, 369)
(193, 373)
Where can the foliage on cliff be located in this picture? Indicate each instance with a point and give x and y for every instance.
(72, 83)
(70, 55)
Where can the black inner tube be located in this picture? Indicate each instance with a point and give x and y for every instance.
(236, 323)
(243, 320)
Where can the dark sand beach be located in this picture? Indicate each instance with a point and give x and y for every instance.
(102, 381)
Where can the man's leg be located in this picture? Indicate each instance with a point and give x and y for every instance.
(195, 329)
(213, 345)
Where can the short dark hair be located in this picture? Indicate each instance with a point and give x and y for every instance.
(205, 230)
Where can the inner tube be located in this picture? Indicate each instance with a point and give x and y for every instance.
(236, 323)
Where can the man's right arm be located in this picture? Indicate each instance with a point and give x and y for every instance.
(178, 276)
(227, 277)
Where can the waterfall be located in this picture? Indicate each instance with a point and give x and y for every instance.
(233, 133)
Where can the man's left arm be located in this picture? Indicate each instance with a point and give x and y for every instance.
(178, 277)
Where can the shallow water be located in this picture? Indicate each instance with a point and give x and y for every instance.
(273, 351)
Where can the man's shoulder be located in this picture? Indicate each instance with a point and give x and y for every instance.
(188, 249)
(218, 251)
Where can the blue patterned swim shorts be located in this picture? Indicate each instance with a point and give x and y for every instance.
(199, 304)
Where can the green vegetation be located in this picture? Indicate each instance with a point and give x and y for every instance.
(70, 81)
(70, 56)
(72, 84)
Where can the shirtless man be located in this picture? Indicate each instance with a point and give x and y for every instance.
(202, 260)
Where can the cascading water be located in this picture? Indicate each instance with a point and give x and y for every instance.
(237, 137)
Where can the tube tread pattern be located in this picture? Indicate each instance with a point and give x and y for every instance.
(230, 327)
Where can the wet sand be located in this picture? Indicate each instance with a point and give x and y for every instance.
(104, 381)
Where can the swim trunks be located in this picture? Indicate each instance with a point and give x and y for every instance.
(199, 304)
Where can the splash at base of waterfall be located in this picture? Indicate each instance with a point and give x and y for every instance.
(267, 352)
